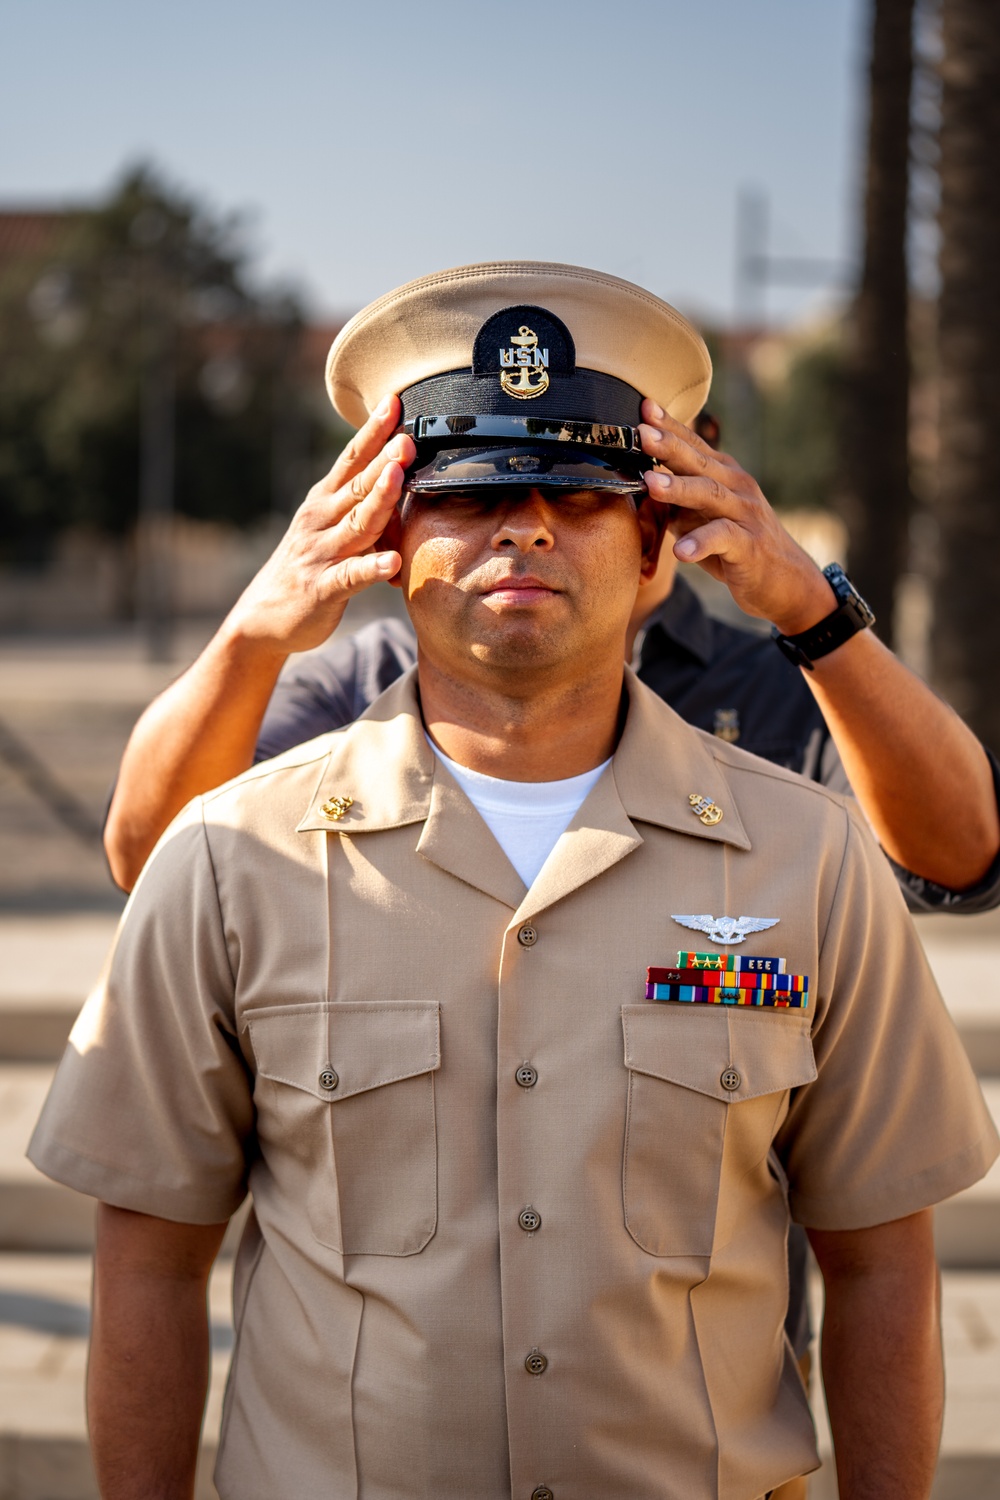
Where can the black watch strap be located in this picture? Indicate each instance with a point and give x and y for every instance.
(851, 615)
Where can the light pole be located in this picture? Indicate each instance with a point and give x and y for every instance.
(154, 595)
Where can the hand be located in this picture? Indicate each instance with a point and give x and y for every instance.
(329, 551)
(725, 525)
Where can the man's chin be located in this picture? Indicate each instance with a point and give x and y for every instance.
(521, 645)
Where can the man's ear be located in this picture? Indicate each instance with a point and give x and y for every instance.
(653, 517)
(390, 541)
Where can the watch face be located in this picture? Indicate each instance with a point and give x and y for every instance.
(848, 595)
(838, 581)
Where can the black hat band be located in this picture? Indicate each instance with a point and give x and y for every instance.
(585, 396)
(474, 429)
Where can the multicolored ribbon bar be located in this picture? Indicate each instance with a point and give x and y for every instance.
(728, 977)
(740, 963)
(703, 994)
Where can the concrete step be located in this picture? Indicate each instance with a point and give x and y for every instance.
(968, 973)
(43, 1331)
(44, 1322)
(967, 1227)
(47, 965)
(36, 1214)
(969, 1465)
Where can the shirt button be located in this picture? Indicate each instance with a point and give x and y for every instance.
(529, 1219)
(526, 1076)
(730, 1080)
(527, 935)
(542, 1492)
(536, 1363)
(328, 1079)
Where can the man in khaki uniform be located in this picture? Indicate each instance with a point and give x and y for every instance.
(519, 1204)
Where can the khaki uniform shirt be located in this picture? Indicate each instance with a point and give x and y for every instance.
(512, 1236)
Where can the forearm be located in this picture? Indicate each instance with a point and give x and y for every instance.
(882, 1367)
(919, 773)
(147, 1377)
(197, 734)
(203, 729)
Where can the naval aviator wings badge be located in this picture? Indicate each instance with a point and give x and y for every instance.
(726, 929)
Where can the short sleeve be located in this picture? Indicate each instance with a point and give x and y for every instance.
(927, 896)
(922, 895)
(151, 1107)
(895, 1120)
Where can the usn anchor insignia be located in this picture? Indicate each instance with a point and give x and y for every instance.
(522, 360)
(707, 811)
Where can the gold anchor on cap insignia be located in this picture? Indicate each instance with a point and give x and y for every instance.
(336, 808)
(707, 811)
(517, 363)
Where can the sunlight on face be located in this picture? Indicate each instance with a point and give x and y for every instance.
(520, 578)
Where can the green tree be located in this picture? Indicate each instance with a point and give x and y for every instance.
(149, 274)
(877, 501)
(803, 467)
(966, 641)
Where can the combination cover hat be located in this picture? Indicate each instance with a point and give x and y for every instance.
(521, 372)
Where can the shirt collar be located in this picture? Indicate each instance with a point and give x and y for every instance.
(385, 766)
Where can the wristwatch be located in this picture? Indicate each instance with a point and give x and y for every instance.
(851, 615)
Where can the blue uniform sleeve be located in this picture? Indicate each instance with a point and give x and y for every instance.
(926, 895)
(331, 687)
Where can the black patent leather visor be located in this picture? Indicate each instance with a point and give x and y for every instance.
(550, 465)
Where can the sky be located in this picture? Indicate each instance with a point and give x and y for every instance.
(372, 143)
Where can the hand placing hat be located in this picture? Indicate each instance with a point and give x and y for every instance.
(725, 525)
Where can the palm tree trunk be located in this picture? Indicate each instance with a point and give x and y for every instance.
(878, 500)
(966, 643)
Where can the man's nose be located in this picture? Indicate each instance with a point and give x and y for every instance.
(524, 524)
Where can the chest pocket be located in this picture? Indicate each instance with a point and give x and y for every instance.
(346, 1114)
(706, 1087)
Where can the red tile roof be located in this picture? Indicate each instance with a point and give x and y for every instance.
(29, 232)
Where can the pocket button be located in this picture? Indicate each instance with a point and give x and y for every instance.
(730, 1080)
(328, 1080)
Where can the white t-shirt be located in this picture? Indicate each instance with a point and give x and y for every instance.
(525, 817)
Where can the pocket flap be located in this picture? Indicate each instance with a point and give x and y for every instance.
(362, 1045)
(694, 1045)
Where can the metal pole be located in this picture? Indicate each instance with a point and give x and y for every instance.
(749, 312)
(751, 257)
(156, 480)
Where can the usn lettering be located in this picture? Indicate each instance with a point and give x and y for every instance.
(510, 359)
